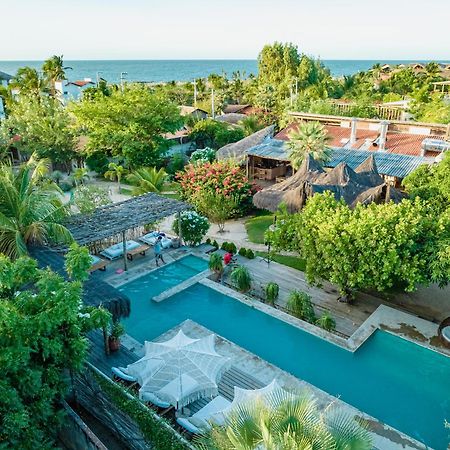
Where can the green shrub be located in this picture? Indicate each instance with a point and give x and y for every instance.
(272, 290)
(215, 244)
(299, 304)
(242, 251)
(250, 254)
(97, 162)
(224, 246)
(240, 276)
(193, 227)
(65, 186)
(57, 176)
(176, 163)
(326, 322)
(208, 241)
(215, 263)
(232, 248)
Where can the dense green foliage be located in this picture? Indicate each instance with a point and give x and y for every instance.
(271, 290)
(241, 278)
(31, 209)
(147, 179)
(373, 246)
(203, 155)
(287, 421)
(115, 172)
(152, 428)
(213, 134)
(128, 125)
(39, 125)
(299, 304)
(193, 227)
(42, 328)
(215, 262)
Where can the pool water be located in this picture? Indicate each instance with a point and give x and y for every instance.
(394, 380)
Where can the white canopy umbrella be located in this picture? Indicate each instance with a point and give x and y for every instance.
(242, 396)
(181, 369)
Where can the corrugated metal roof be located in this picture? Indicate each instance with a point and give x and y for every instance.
(390, 164)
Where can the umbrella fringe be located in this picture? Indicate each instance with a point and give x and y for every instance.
(209, 392)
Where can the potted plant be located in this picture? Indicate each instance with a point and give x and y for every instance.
(216, 264)
(240, 276)
(272, 289)
(117, 331)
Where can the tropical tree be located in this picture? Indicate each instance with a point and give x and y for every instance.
(310, 138)
(40, 125)
(88, 198)
(43, 324)
(28, 81)
(31, 209)
(129, 125)
(54, 70)
(328, 235)
(80, 175)
(115, 172)
(250, 125)
(287, 421)
(147, 179)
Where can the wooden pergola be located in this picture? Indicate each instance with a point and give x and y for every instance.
(118, 218)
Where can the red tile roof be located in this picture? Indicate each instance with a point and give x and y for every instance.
(399, 143)
(80, 83)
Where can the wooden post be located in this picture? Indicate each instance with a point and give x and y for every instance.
(180, 233)
(124, 242)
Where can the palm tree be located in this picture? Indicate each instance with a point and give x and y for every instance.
(31, 209)
(54, 70)
(147, 179)
(287, 422)
(250, 125)
(80, 175)
(28, 81)
(310, 138)
(115, 172)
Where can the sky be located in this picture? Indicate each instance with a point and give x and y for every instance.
(223, 29)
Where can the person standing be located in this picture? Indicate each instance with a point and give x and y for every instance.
(158, 251)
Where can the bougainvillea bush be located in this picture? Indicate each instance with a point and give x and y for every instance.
(219, 177)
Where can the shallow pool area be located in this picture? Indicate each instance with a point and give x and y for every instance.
(398, 382)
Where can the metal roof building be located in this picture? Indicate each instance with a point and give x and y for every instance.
(388, 164)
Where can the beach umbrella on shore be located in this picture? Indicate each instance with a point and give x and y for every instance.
(180, 370)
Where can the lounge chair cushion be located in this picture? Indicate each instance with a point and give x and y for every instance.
(152, 398)
(116, 250)
(120, 372)
(95, 259)
(199, 420)
(150, 239)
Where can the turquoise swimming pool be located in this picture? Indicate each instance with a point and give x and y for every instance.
(396, 381)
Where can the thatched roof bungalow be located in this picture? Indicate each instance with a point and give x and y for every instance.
(238, 150)
(362, 185)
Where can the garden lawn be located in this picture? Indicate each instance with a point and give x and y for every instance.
(256, 228)
(291, 261)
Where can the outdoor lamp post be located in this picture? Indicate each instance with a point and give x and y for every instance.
(122, 79)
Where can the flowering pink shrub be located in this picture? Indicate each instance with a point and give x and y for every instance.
(220, 177)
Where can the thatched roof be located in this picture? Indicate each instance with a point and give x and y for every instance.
(229, 109)
(96, 292)
(363, 185)
(232, 118)
(238, 150)
(118, 217)
(188, 110)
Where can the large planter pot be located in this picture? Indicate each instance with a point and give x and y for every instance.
(114, 344)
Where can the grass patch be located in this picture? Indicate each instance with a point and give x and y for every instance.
(291, 261)
(256, 228)
(172, 186)
(126, 191)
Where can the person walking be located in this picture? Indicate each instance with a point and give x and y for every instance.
(158, 251)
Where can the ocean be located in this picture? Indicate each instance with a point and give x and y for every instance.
(180, 70)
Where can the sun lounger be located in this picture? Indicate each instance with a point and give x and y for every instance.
(137, 251)
(121, 372)
(152, 398)
(150, 239)
(97, 263)
(116, 250)
(198, 422)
